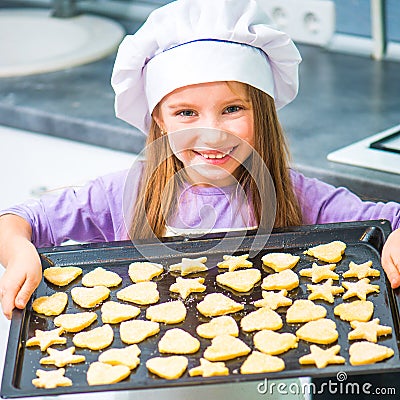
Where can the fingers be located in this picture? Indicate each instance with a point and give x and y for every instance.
(26, 291)
(391, 258)
(8, 294)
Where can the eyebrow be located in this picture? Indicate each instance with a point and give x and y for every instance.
(235, 100)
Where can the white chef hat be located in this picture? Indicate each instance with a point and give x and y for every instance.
(196, 41)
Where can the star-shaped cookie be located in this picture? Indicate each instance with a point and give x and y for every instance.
(235, 262)
(51, 379)
(360, 289)
(60, 358)
(368, 330)
(208, 368)
(318, 273)
(326, 291)
(45, 339)
(186, 286)
(321, 358)
(274, 300)
(360, 271)
(189, 266)
(330, 252)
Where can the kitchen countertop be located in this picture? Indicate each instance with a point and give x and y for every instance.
(342, 99)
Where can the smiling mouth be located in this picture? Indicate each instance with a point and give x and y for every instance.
(215, 155)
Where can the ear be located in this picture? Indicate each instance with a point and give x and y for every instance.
(158, 118)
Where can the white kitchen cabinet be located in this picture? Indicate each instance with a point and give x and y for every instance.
(32, 163)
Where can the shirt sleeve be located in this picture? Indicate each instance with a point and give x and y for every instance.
(323, 203)
(91, 213)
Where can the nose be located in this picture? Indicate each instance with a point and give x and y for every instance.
(213, 136)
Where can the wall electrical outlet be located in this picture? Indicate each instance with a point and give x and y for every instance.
(305, 21)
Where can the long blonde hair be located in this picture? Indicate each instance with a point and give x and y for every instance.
(161, 168)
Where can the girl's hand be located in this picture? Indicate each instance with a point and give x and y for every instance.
(21, 277)
(391, 258)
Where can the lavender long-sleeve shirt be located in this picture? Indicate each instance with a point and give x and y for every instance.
(95, 212)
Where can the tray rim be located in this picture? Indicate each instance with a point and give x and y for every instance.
(16, 327)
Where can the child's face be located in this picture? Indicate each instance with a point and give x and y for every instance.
(212, 155)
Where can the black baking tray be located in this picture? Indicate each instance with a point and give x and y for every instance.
(364, 242)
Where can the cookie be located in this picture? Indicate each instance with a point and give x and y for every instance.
(89, 297)
(95, 339)
(274, 300)
(208, 368)
(171, 367)
(218, 326)
(60, 358)
(128, 356)
(113, 312)
(286, 279)
(368, 353)
(136, 331)
(144, 271)
(50, 305)
(178, 341)
(318, 273)
(361, 271)
(368, 330)
(100, 373)
(360, 289)
(241, 281)
(51, 379)
(101, 277)
(171, 312)
(321, 331)
(186, 286)
(263, 318)
(143, 293)
(280, 261)
(322, 357)
(304, 311)
(45, 339)
(225, 347)
(274, 343)
(215, 304)
(257, 363)
(235, 262)
(61, 276)
(358, 310)
(75, 322)
(326, 291)
(189, 266)
(330, 252)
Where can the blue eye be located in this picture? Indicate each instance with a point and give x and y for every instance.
(186, 113)
(232, 109)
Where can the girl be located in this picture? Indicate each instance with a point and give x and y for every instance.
(203, 79)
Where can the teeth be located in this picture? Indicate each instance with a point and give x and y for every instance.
(218, 156)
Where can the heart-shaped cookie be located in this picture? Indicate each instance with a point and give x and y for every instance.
(304, 311)
(96, 339)
(218, 326)
(51, 305)
(241, 281)
(322, 331)
(225, 347)
(104, 374)
(171, 367)
(75, 322)
(274, 343)
(178, 341)
(61, 276)
(215, 304)
(101, 277)
(89, 297)
(113, 312)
